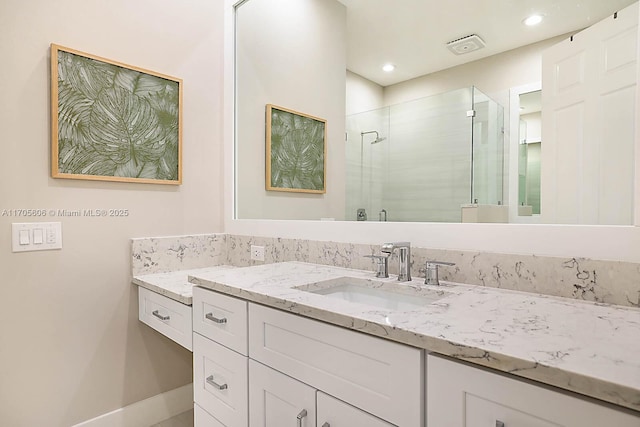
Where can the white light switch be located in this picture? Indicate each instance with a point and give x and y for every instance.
(36, 236)
(24, 237)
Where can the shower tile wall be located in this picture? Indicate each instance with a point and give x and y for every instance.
(366, 163)
(433, 180)
(422, 170)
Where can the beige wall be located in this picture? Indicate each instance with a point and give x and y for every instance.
(72, 347)
(285, 58)
(362, 94)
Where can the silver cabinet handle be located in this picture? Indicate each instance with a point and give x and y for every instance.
(160, 316)
(215, 319)
(326, 425)
(499, 423)
(215, 384)
(300, 416)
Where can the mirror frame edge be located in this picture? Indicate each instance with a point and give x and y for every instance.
(620, 243)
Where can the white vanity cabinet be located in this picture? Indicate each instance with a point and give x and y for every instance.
(459, 395)
(257, 366)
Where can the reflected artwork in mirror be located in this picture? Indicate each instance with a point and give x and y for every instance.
(439, 138)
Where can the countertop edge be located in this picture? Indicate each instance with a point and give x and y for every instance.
(163, 291)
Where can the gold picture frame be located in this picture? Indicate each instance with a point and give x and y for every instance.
(296, 151)
(113, 122)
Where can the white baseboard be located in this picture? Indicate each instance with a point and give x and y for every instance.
(146, 412)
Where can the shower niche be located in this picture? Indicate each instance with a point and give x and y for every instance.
(437, 159)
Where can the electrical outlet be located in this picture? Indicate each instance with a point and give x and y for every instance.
(257, 253)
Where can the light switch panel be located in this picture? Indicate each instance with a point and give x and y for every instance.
(36, 236)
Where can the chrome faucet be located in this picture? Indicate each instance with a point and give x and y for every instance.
(404, 258)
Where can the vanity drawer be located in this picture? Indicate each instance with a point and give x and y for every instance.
(459, 395)
(381, 377)
(221, 318)
(202, 418)
(220, 381)
(169, 317)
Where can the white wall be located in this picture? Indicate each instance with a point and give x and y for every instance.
(534, 126)
(362, 94)
(305, 73)
(72, 347)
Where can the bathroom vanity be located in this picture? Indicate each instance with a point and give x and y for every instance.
(311, 345)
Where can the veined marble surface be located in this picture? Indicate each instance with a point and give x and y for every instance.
(163, 254)
(175, 284)
(589, 348)
(611, 282)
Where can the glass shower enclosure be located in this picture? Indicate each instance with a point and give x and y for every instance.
(423, 160)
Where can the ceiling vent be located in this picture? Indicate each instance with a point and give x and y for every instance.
(466, 44)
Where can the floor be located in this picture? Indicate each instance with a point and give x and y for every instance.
(184, 419)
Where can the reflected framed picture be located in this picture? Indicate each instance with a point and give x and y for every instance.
(296, 151)
(113, 122)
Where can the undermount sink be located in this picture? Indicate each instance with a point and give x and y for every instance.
(388, 295)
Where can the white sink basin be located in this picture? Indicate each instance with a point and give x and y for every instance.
(388, 295)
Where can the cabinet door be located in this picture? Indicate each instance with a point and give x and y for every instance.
(459, 395)
(336, 413)
(277, 400)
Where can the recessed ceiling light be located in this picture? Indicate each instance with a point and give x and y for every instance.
(388, 67)
(533, 20)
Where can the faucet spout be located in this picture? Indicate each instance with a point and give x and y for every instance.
(404, 258)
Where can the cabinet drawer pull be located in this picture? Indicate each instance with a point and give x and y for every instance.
(326, 425)
(499, 423)
(214, 319)
(215, 384)
(160, 316)
(300, 416)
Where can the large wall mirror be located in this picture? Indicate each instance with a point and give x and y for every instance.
(438, 112)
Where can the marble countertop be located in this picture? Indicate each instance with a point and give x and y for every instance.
(175, 284)
(589, 348)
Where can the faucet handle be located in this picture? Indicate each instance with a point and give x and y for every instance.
(431, 272)
(382, 264)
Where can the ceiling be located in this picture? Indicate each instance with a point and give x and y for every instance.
(412, 34)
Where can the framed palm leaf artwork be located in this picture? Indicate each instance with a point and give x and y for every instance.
(113, 122)
(296, 151)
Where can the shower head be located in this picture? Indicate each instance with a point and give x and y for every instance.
(378, 137)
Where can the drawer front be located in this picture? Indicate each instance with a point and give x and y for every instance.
(220, 381)
(337, 413)
(220, 318)
(169, 317)
(459, 395)
(379, 376)
(202, 418)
